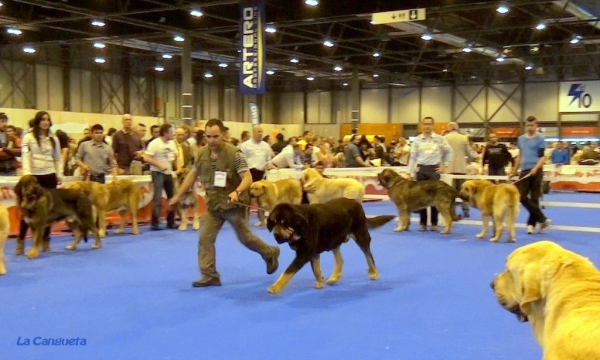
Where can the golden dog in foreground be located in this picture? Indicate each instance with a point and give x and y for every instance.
(558, 292)
(501, 202)
(118, 195)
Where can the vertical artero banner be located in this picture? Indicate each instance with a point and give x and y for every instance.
(252, 48)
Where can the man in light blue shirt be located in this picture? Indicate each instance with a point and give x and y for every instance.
(531, 160)
(430, 155)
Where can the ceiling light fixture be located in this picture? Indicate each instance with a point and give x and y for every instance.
(99, 45)
(14, 31)
(540, 26)
(270, 29)
(575, 40)
(375, 75)
(179, 38)
(208, 75)
(167, 56)
(500, 58)
(310, 78)
(29, 50)
(1, 4)
(270, 72)
(375, 54)
(426, 36)
(467, 49)
(196, 13)
(294, 60)
(159, 68)
(99, 60)
(328, 43)
(312, 2)
(98, 23)
(529, 67)
(337, 68)
(223, 65)
(345, 84)
(445, 70)
(502, 9)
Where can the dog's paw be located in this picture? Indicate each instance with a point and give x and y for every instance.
(259, 224)
(334, 279)
(274, 290)
(373, 275)
(319, 284)
(96, 246)
(182, 227)
(33, 253)
(480, 235)
(196, 226)
(511, 240)
(399, 229)
(70, 247)
(494, 239)
(118, 231)
(135, 231)
(2, 269)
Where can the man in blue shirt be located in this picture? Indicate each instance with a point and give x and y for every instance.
(561, 155)
(531, 160)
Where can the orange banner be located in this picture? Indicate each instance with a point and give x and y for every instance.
(583, 131)
(506, 132)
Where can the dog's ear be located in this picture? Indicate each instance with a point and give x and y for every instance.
(271, 220)
(299, 220)
(472, 189)
(18, 190)
(527, 285)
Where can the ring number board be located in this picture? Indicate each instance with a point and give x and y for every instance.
(390, 17)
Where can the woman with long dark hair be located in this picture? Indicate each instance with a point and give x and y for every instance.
(41, 157)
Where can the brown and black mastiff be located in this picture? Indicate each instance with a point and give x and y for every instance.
(40, 208)
(410, 196)
(313, 229)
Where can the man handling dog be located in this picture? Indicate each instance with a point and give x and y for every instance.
(431, 153)
(95, 158)
(223, 171)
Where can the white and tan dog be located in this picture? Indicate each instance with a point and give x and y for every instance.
(4, 229)
(558, 292)
(321, 189)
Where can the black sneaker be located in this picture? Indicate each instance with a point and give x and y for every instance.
(155, 228)
(272, 261)
(206, 281)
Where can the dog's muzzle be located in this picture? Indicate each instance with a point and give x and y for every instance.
(284, 234)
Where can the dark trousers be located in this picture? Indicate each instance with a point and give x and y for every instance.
(428, 173)
(457, 185)
(101, 178)
(162, 182)
(497, 172)
(257, 175)
(530, 189)
(48, 181)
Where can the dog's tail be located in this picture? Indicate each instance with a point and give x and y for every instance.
(378, 221)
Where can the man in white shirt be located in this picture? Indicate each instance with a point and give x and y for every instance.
(257, 153)
(161, 154)
(289, 157)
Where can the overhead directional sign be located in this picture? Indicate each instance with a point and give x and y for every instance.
(390, 17)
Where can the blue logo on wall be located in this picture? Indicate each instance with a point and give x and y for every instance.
(577, 91)
(42, 341)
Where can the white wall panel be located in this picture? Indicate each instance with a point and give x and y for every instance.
(374, 106)
(541, 101)
(473, 113)
(210, 101)
(323, 129)
(511, 110)
(231, 105)
(292, 108)
(405, 106)
(341, 107)
(56, 93)
(319, 108)
(437, 103)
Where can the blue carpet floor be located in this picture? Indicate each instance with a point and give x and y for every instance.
(133, 300)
